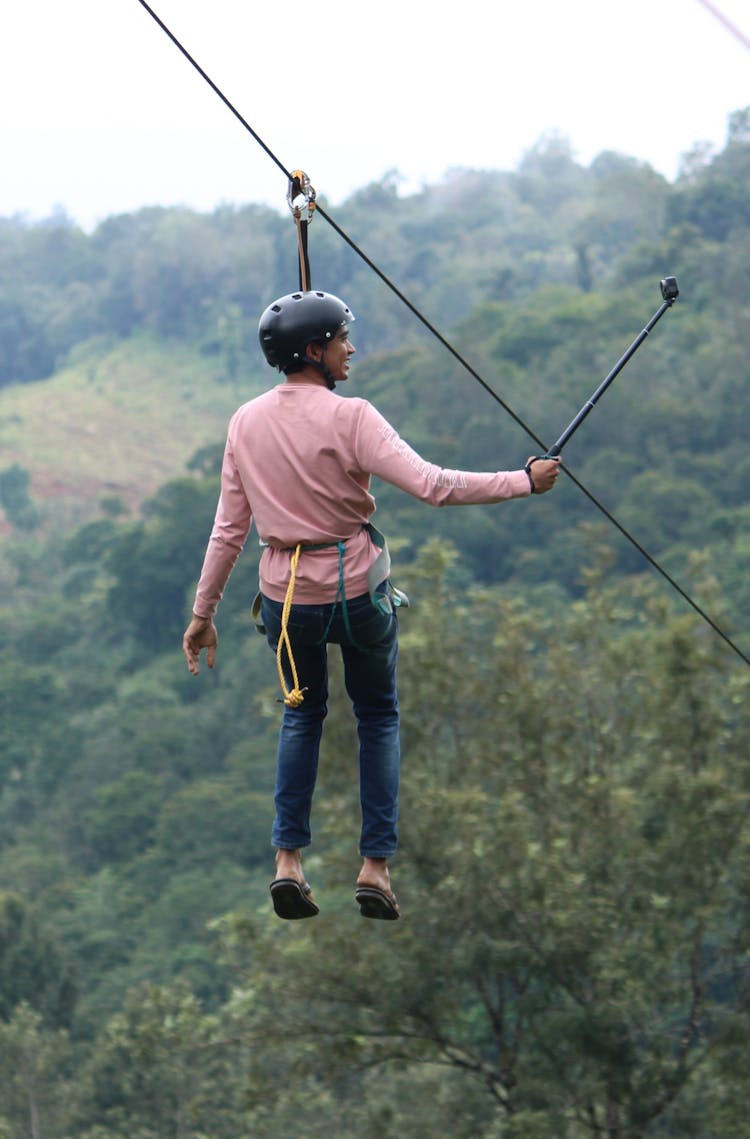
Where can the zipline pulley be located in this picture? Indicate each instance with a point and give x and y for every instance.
(301, 199)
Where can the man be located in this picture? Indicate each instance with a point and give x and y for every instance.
(298, 462)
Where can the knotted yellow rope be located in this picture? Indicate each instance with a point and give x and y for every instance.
(294, 697)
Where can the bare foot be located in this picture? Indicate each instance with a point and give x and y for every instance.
(374, 894)
(374, 872)
(289, 865)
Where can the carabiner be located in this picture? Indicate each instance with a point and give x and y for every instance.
(299, 194)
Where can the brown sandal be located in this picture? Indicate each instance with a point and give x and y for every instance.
(375, 903)
(292, 899)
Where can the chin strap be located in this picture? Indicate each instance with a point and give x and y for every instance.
(322, 368)
(330, 382)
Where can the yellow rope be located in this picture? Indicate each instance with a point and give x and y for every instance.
(292, 698)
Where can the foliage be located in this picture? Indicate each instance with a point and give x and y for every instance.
(34, 1064)
(33, 969)
(574, 867)
(573, 879)
(150, 572)
(162, 1070)
(14, 497)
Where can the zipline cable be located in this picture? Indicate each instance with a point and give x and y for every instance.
(450, 348)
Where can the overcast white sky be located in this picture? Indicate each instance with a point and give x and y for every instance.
(102, 114)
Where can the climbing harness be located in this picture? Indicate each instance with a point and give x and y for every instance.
(666, 576)
(384, 596)
(301, 195)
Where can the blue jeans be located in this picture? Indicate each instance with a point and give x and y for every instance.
(370, 678)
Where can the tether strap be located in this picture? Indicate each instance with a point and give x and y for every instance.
(304, 261)
(300, 194)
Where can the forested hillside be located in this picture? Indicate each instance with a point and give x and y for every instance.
(575, 862)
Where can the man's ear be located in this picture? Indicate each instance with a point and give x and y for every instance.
(314, 351)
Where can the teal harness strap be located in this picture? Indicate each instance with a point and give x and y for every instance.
(340, 596)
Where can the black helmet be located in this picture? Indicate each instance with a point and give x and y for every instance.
(292, 322)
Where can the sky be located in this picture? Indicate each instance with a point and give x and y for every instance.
(102, 114)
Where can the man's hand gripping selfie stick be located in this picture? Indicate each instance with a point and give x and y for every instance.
(670, 293)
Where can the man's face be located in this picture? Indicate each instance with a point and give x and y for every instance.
(335, 354)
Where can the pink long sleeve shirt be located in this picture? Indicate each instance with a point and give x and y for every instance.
(297, 463)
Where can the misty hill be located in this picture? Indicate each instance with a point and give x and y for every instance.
(120, 418)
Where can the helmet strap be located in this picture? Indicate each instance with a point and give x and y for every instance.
(322, 367)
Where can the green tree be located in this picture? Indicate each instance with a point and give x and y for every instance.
(25, 352)
(121, 821)
(155, 561)
(33, 969)
(15, 499)
(33, 705)
(574, 876)
(163, 1070)
(33, 1069)
(711, 197)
